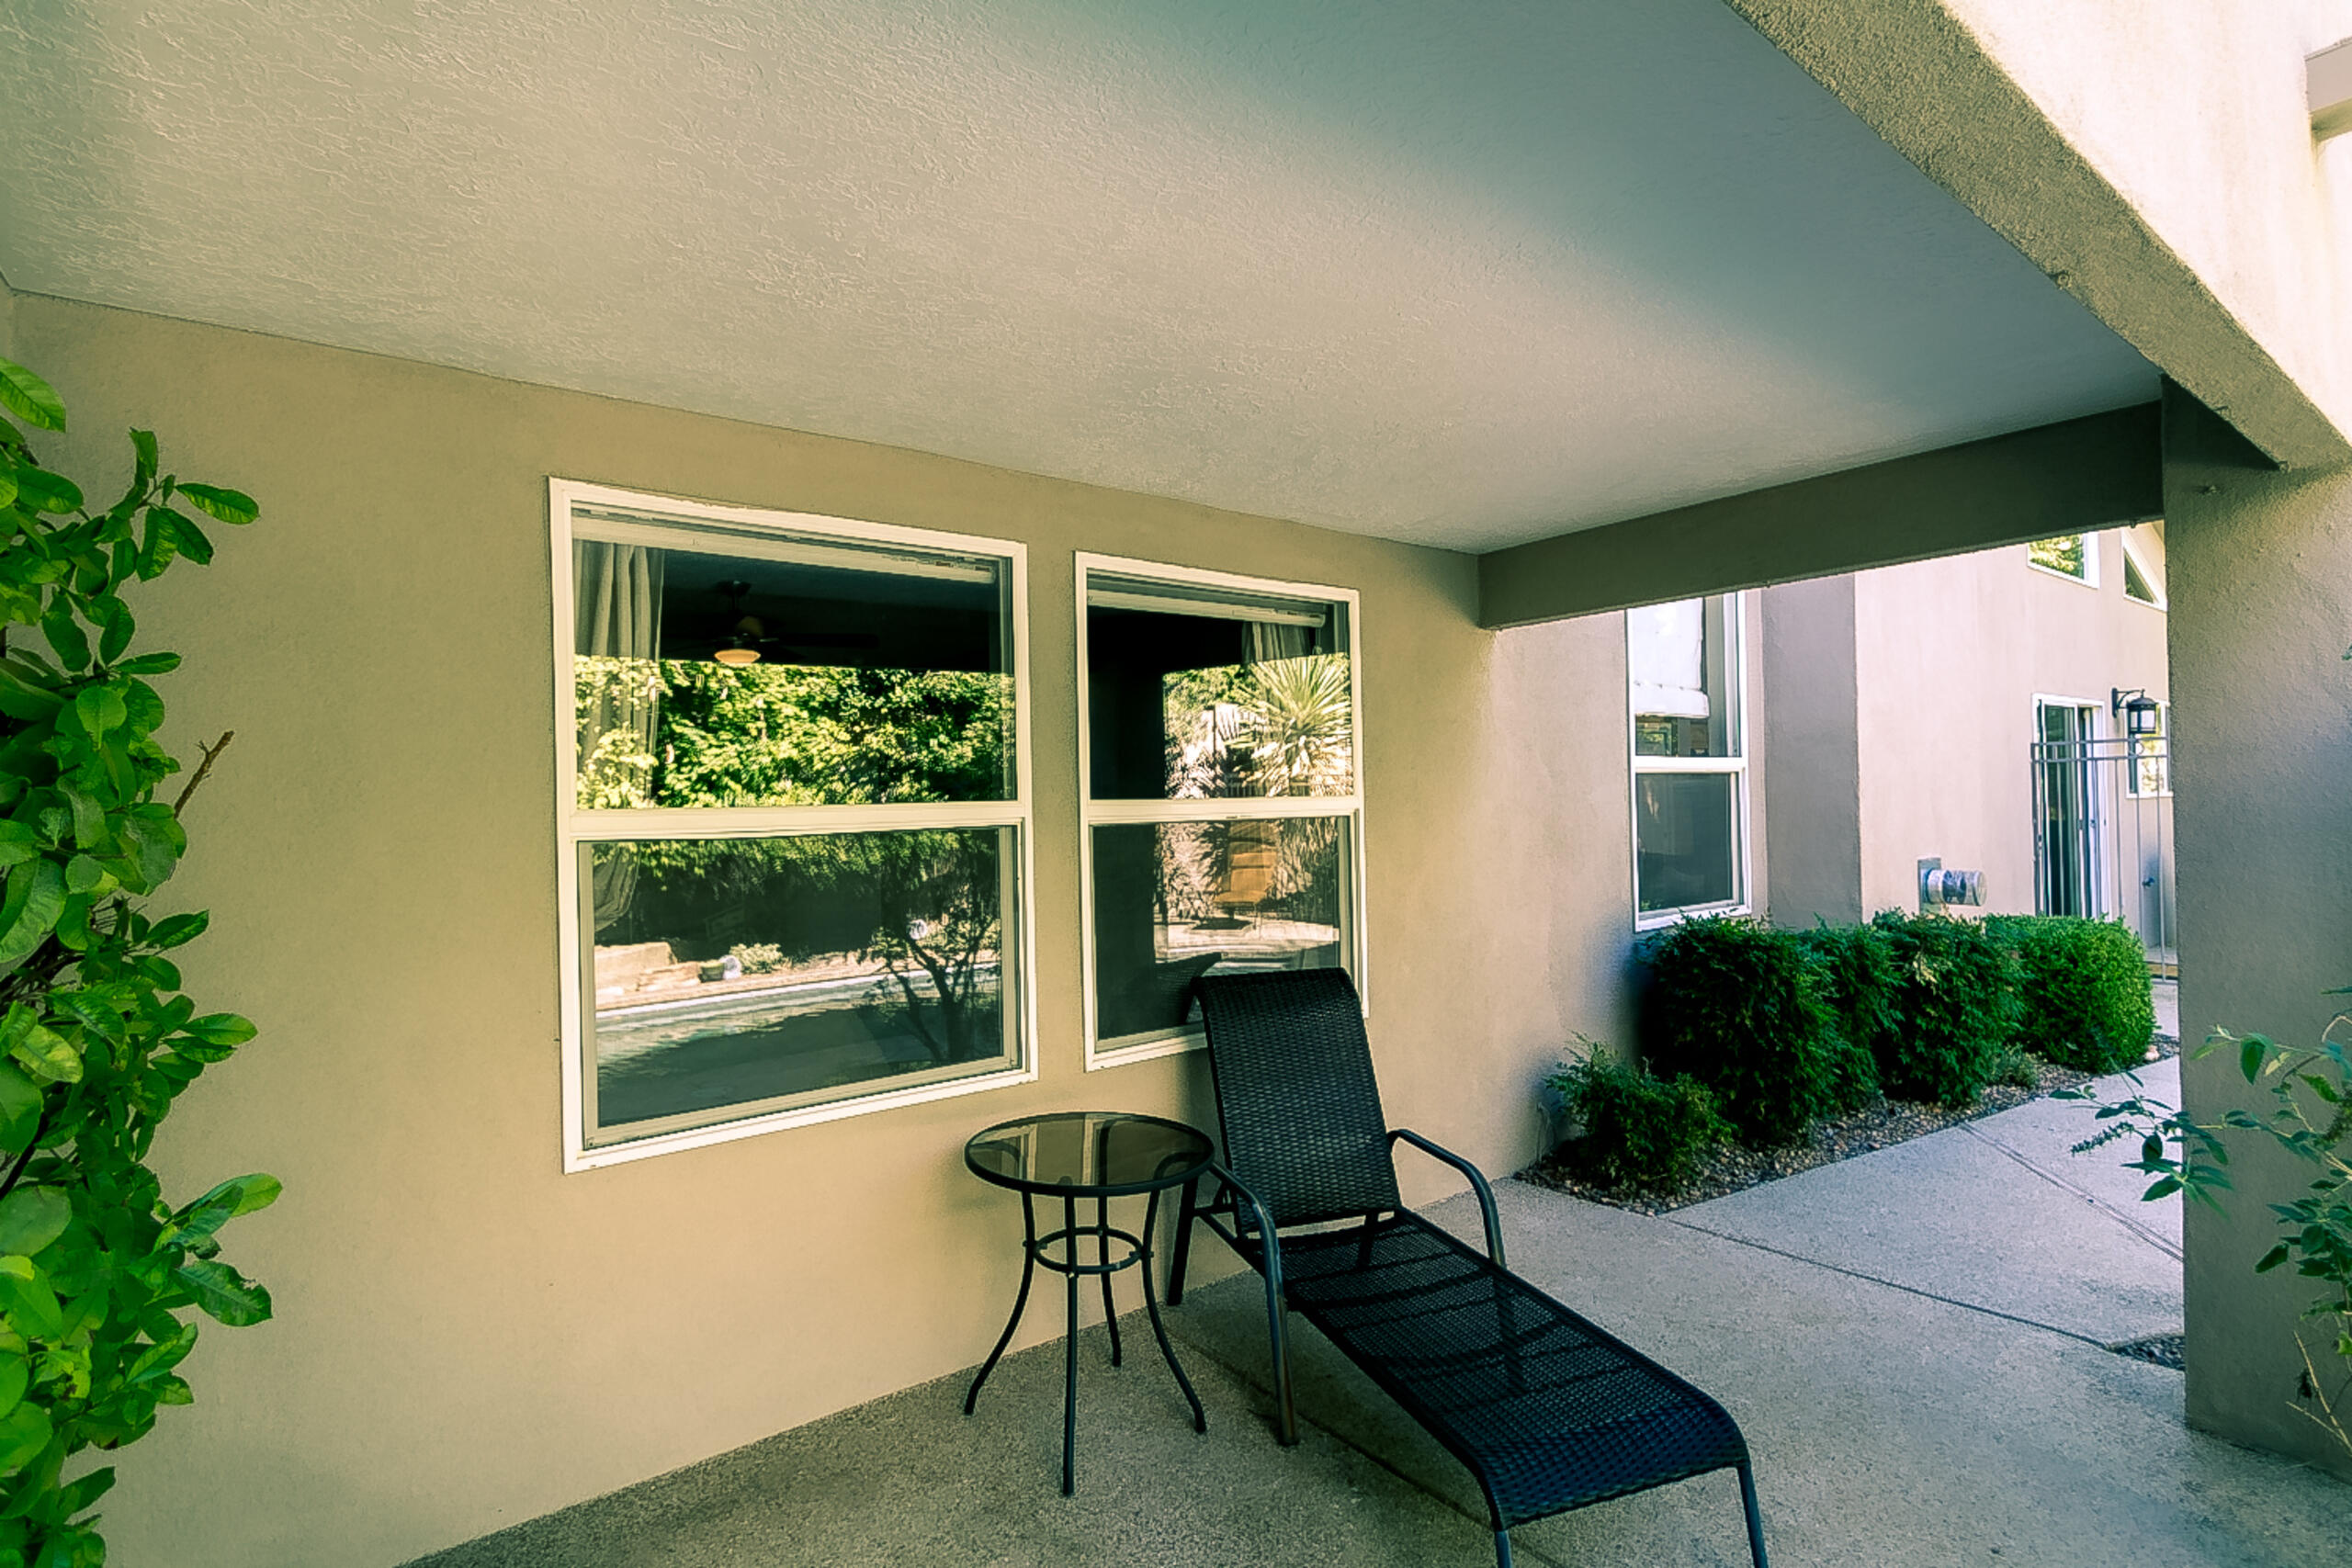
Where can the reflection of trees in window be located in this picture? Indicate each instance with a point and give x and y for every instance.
(924, 905)
(788, 734)
(2069, 553)
(1280, 726)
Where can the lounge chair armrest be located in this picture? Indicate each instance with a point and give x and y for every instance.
(1265, 1221)
(1478, 1184)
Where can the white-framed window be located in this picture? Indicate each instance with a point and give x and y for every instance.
(1687, 690)
(793, 819)
(2144, 572)
(1220, 783)
(2150, 773)
(2071, 556)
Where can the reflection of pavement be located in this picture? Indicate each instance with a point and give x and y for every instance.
(673, 1057)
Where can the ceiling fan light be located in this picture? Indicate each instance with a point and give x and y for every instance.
(735, 653)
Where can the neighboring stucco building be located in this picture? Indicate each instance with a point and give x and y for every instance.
(1908, 706)
(1436, 335)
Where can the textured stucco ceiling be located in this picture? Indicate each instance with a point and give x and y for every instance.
(1462, 273)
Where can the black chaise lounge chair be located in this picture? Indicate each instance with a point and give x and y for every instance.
(1548, 1411)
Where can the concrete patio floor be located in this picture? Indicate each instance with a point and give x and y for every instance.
(1912, 1341)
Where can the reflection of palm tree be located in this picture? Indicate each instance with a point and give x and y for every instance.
(1299, 725)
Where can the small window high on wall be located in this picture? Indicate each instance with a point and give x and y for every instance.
(794, 819)
(2069, 554)
(1221, 786)
(1689, 758)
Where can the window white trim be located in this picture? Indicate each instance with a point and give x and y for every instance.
(2135, 558)
(762, 532)
(2090, 561)
(1744, 858)
(1244, 591)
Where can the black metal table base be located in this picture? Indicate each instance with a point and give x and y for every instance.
(1035, 1253)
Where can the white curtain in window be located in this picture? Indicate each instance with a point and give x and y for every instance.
(1269, 642)
(1665, 647)
(616, 637)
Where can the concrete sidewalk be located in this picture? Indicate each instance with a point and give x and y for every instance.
(1905, 1397)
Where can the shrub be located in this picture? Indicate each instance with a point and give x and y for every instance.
(1640, 1131)
(1854, 968)
(1736, 1005)
(1955, 1008)
(2083, 987)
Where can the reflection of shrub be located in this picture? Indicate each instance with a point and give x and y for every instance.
(1734, 1004)
(2083, 987)
(1956, 997)
(758, 957)
(1640, 1131)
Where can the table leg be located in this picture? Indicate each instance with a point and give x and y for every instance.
(1020, 1302)
(1069, 1352)
(1151, 1306)
(1103, 1256)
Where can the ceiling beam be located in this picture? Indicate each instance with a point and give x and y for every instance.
(1915, 73)
(2071, 478)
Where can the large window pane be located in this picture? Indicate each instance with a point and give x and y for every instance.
(842, 677)
(1193, 696)
(1685, 840)
(1683, 674)
(1174, 900)
(773, 971)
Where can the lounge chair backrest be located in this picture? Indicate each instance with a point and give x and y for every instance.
(1295, 1095)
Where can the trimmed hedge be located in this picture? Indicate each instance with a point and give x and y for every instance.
(1736, 1005)
(1640, 1131)
(1855, 968)
(2085, 988)
(1955, 1000)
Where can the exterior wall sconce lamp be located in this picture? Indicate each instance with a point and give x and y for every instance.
(2142, 715)
(2328, 76)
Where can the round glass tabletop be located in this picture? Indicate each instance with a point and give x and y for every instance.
(1088, 1153)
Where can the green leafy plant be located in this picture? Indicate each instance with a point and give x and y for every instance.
(2084, 988)
(97, 1040)
(1639, 1130)
(1855, 968)
(2310, 1117)
(1955, 1002)
(1736, 1005)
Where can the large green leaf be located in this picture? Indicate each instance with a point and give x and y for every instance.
(18, 843)
(35, 898)
(46, 1054)
(15, 1376)
(38, 490)
(33, 1217)
(24, 1433)
(20, 1103)
(29, 398)
(27, 1300)
(228, 506)
(223, 1293)
(221, 1029)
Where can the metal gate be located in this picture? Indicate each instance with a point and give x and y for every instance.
(2102, 837)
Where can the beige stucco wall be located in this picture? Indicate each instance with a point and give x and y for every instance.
(2262, 738)
(464, 1336)
(1947, 657)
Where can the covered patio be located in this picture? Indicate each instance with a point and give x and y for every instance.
(878, 346)
(1914, 1341)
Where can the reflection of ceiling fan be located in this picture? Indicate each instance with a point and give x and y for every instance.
(750, 636)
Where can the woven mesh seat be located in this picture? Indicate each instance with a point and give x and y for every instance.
(1547, 1410)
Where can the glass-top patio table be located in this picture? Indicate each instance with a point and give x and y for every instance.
(1075, 1156)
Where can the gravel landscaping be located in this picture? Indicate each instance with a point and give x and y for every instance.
(1731, 1168)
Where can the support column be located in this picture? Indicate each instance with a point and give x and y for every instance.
(2260, 564)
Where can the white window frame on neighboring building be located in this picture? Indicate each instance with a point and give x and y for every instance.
(2135, 561)
(633, 517)
(1094, 813)
(1742, 854)
(2088, 578)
